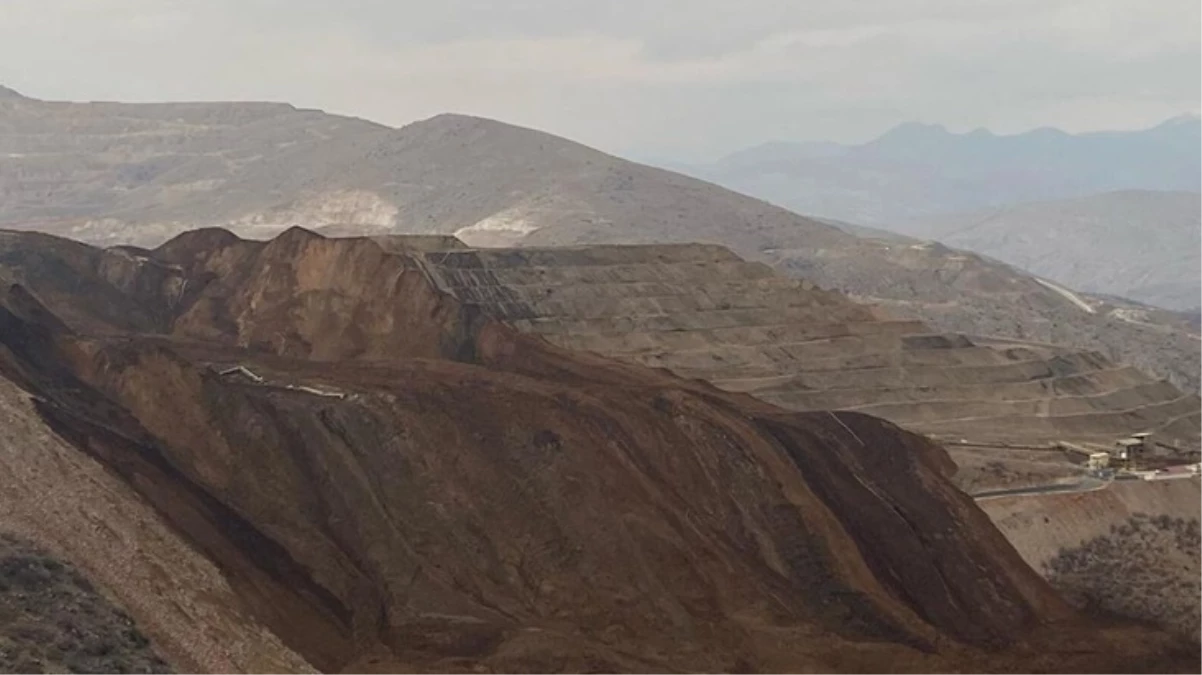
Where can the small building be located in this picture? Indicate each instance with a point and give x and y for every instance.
(1098, 460)
(1129, 448)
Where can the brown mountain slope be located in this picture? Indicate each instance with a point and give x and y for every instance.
(66, 164)
(429, 489)
(1005, 409)
(79, 512)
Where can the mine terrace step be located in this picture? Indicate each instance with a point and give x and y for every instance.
(508, 305)
(662, 342)
(1016, 371)
(827, 350)
(803, 399)
(682, 273)
(586, 293)
(713, 319)
(647, 254)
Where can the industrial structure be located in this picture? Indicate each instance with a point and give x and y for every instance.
(1129, 450)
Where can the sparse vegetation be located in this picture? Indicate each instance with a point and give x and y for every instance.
(52, 620)
(1146, 568)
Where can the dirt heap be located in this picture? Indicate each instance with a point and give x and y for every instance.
(387, 479)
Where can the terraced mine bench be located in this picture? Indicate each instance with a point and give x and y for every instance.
(703, 312)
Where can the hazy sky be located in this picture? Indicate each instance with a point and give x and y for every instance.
(650, 78)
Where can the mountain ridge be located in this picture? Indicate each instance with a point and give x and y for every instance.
(7, 92)
(936, 129)
(916, 170)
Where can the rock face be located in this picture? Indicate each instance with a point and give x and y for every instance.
(387, 478)
(1001, 407)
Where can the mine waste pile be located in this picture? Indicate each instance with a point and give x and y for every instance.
(386, 454)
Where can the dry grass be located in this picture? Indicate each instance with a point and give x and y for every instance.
(52, 620)
(1146, 568)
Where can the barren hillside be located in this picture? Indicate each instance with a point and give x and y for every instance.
(387, 479)
(264, 167)
(1135, 244)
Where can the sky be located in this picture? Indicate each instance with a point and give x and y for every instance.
(683, 80)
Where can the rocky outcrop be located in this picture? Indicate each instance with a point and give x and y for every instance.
(388, 479)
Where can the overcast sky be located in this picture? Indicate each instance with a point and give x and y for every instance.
(650, 79)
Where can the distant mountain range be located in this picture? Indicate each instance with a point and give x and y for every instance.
(919, 170)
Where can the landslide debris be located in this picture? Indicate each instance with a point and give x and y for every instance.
(390, 480)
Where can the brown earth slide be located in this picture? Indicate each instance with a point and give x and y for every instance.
(304, 453)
